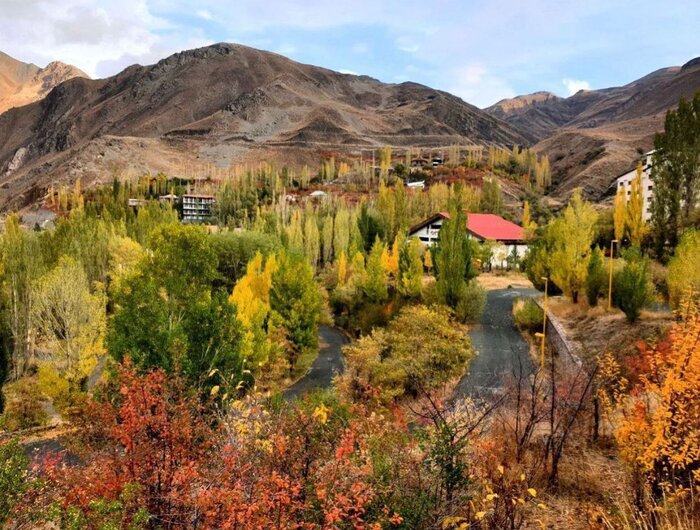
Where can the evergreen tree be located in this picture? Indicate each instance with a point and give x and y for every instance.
(597, 278)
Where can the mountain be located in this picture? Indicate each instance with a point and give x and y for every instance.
(219, 104)
(22, 83)
(594, 135)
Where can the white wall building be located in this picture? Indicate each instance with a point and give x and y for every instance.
(508, 237)
(196, 208)
(625, 181)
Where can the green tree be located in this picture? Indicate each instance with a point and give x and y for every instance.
(573, 233)
(632, 288)
(453, 263)
(676, 173)
(312, 239)
(491, 196)
(376, 280)
(295, 303)
(410, 280)
(597, 278)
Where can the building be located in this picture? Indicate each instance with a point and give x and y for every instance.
(417, 185)
(625, 181)
(508, 237)
(197, 208)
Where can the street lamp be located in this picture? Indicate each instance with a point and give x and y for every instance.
(544, 319)
(612, 243)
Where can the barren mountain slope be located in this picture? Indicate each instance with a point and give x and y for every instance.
(223, 102)
(22, 83)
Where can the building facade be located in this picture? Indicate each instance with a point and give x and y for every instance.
(508, 239)
(624, 181)
(197, 208)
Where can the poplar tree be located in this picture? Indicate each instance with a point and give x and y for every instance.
(312, 247)
(635, 210)
(620, 213)
(327, 238)
(375, 285)
(341, 231)
(410, 281)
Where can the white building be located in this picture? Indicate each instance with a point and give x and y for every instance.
(197, 208)
(625, 181)
(508, 238)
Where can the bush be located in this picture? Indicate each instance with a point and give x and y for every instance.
(683, 270)
(632, 289)
(13, 482)
(24, 407)
(471, 303)
(528, 315)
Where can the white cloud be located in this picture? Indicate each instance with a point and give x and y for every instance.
(205, 14)
(574, 85)
(476, 85)
(349, 72)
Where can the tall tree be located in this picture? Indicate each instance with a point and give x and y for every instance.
(573, 233)
(635, 210)
(410, 280)
(620, 213)
(453, 263)
(676, 172)
(375, 286)
(312, 242)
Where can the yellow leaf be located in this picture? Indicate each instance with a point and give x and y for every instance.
(522, 477)
(501, 470)
(321, 414)
(541, 506)
(214, 390)
(532, 491)
(480, 515)
(491, 496)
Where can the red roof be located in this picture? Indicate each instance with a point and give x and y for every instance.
(491, 226)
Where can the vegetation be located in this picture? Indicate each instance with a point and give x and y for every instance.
(632, 288)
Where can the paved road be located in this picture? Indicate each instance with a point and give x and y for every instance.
(328, 363)
(500, 345)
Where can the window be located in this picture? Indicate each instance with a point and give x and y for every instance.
(650, 187)
(424, 239)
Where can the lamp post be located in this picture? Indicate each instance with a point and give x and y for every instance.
(612, 243)
(544, 319)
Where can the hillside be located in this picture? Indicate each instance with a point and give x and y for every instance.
(220, 104)
(594, 135)
(22, 83)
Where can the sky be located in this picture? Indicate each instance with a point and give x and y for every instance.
(480, 50)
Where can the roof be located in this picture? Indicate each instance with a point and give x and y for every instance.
(198, 196)
(484, 226)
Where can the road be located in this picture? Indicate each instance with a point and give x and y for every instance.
(500, 346)
(328, 363)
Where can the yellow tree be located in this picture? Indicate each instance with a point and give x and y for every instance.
(635, 210)
(428, 260)
(342, 269)
(683, 270)
(620, 213)
(528, 225)
(573, 235)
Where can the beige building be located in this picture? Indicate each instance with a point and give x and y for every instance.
(625, 181)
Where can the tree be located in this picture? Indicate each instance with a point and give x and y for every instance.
(419, 351)
(375, 285)
(453, 263)
(295, 304)
(676, 172)
(491, 196)
(341, 234)
(573, 235)
(596, 278)
(634, 221)
(312, 247)
(632, 288)
(70, 320)
(410, 278)
(327, 239)
(620, 213)
(21, 260)
(528, 224)
(684, 268)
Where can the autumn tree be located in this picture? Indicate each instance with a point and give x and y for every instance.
(634, 221)
(620, 213)
(684, 268)
(70, 320)
(632, 288)
(376, 279)
(410, 278)
(596, 277)
(573, 235)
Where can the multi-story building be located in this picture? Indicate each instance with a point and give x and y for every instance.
(625, 181)
(197, 208)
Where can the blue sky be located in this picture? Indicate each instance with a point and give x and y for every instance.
(480, 50)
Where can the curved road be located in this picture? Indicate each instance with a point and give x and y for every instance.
(500, 346)
(328, 363)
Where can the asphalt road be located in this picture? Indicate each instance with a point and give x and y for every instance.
(500, 346)
(328, 363)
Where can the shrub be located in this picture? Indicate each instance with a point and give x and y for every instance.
(632, 289)
(472, 301)
(683, 270)
(13, 482)
(528, 315)
(23, 408)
